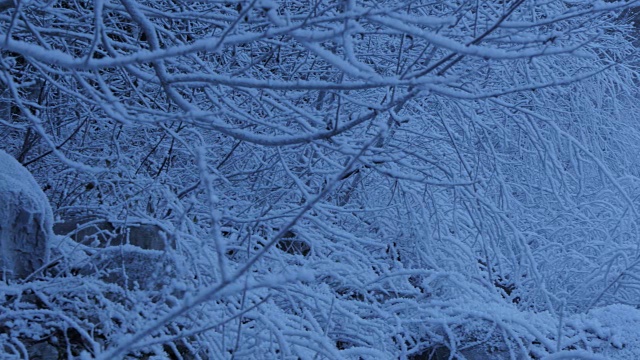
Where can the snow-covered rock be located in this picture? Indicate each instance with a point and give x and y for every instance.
(132, 254)
(26, 220)
(97, 232)
(131, 267)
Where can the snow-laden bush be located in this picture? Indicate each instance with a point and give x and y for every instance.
(458, 176)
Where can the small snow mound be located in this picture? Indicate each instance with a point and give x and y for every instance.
(622, 325)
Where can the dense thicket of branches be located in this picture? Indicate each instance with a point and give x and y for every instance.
(342, 179)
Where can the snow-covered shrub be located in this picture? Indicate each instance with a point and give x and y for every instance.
(441, 165)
